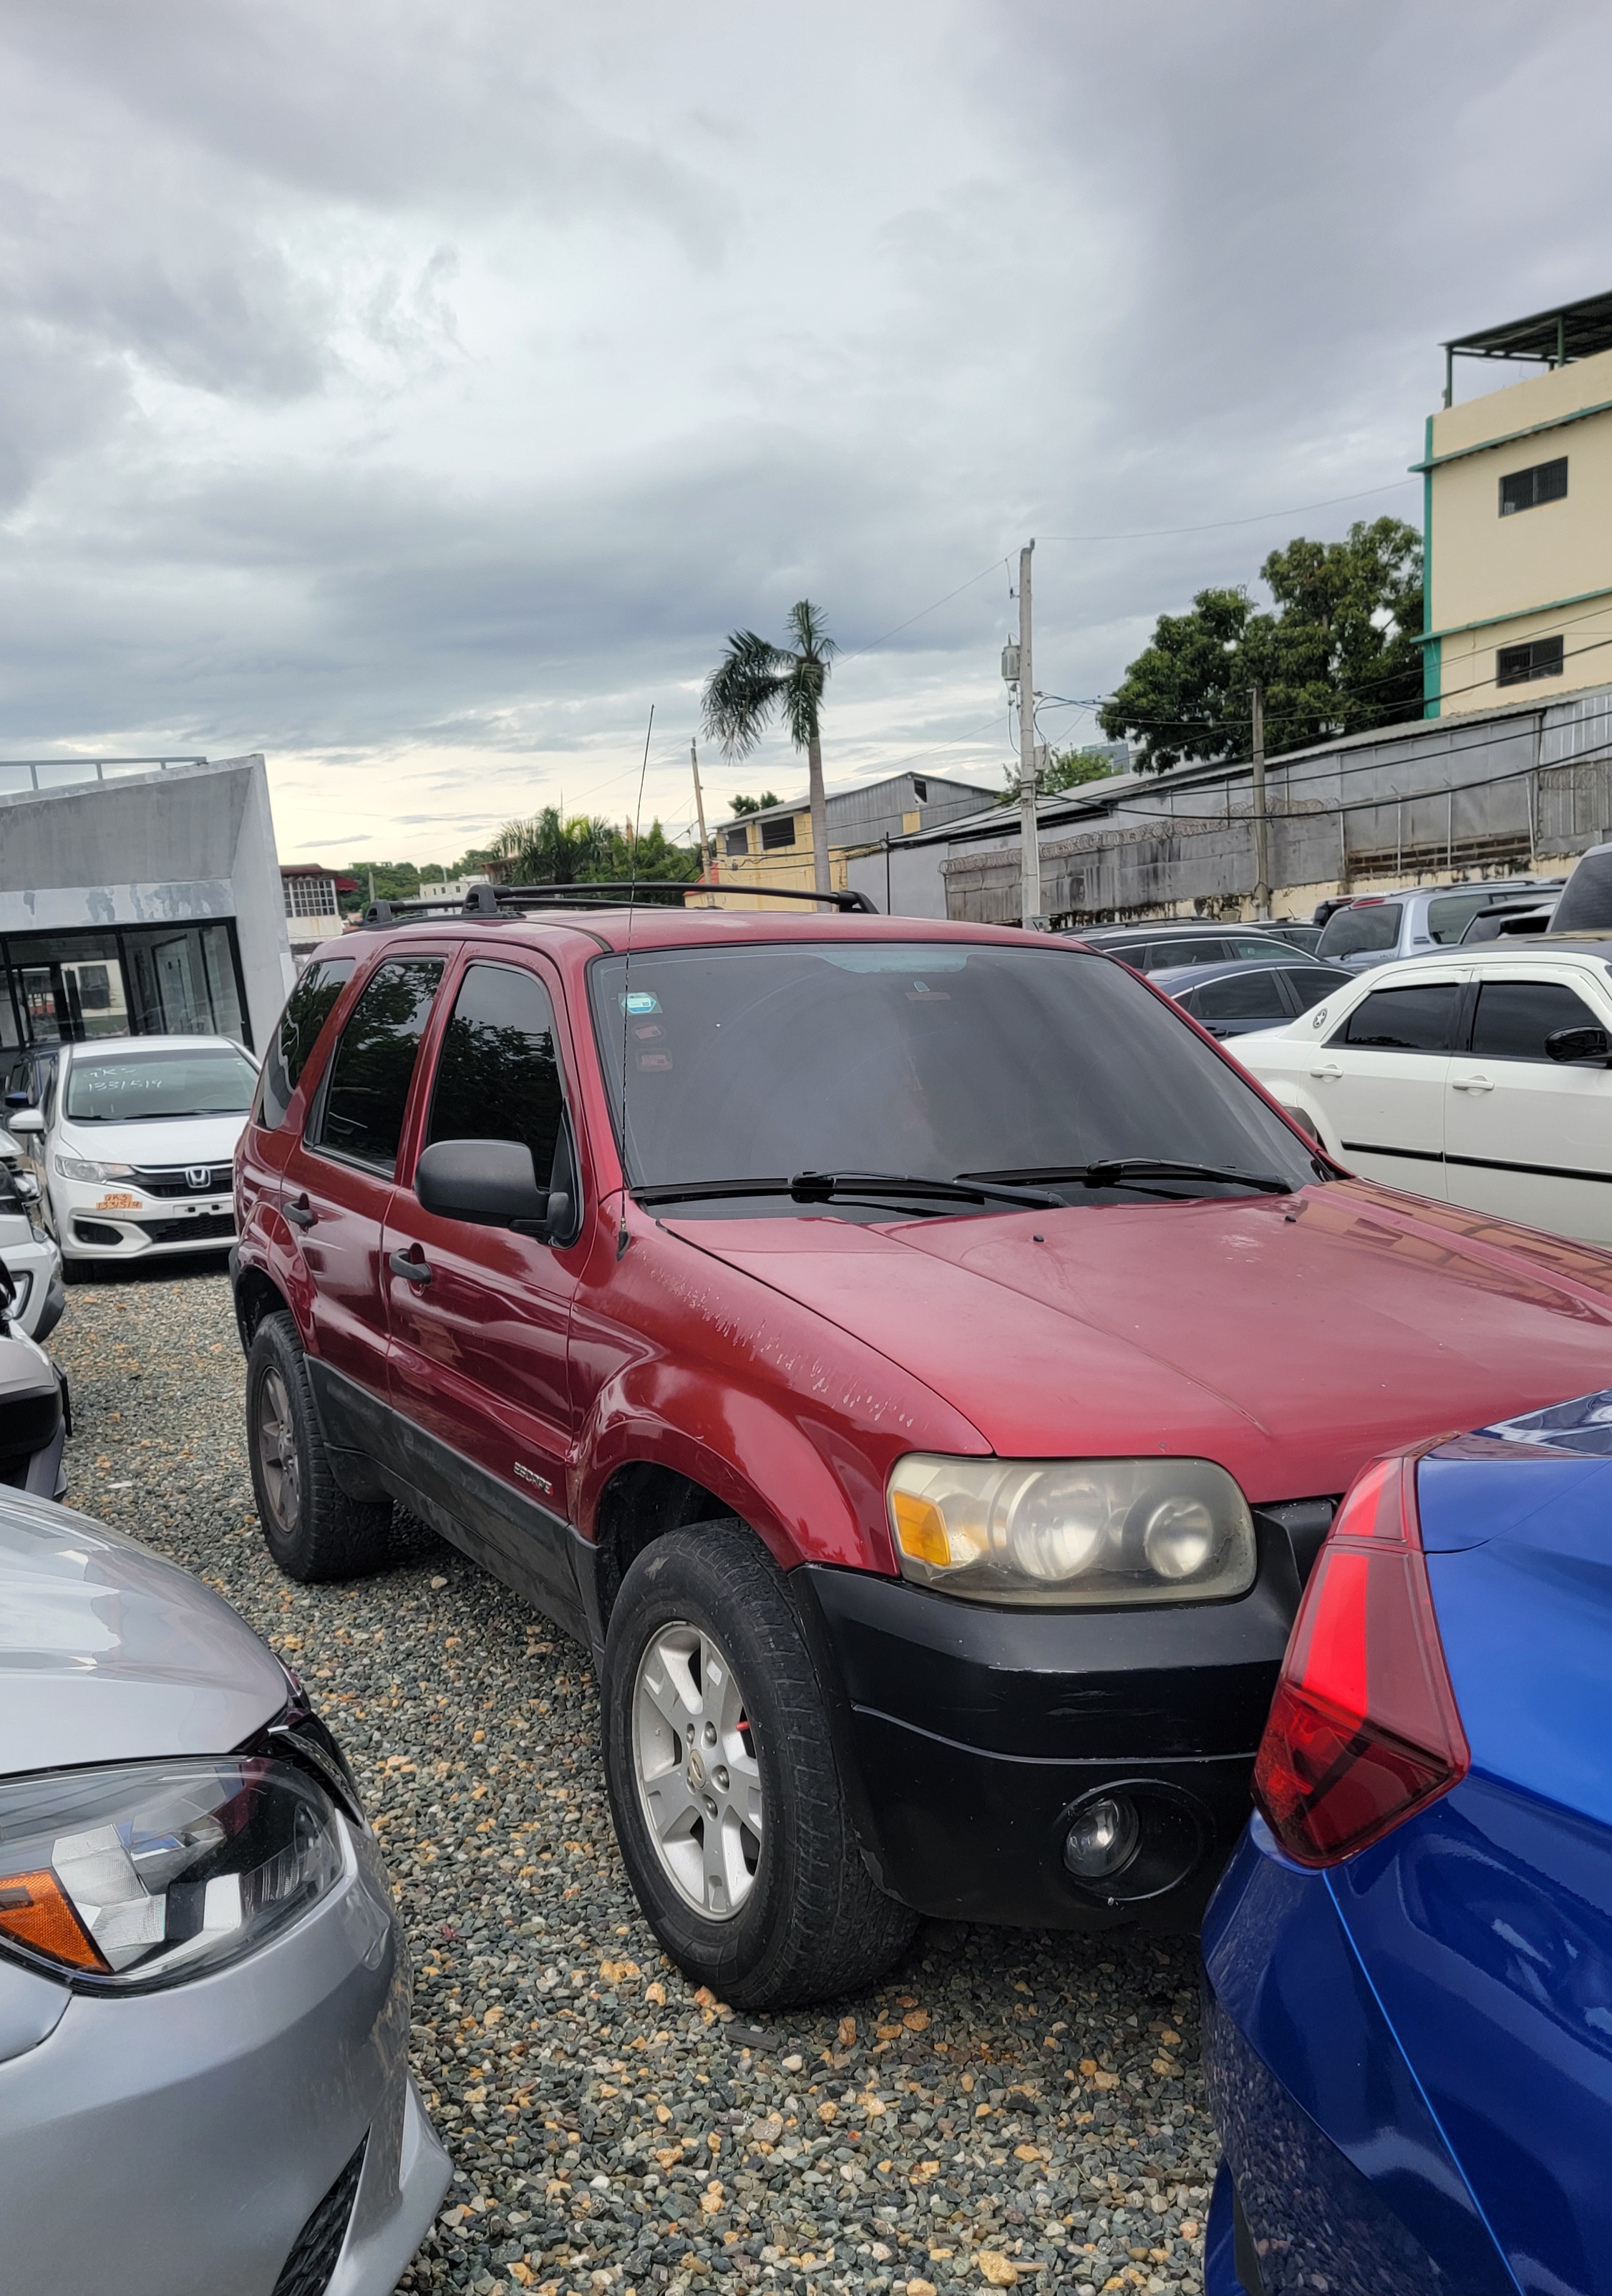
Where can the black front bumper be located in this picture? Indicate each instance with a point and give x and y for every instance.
(966, 1737)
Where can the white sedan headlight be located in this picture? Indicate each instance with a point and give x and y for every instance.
(1064, 1532)
(80, 1168)
(151, 1872)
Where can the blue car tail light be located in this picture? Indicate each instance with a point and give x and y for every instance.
(1364, 1728)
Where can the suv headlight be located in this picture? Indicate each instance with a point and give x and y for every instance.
(81, 1168)
(151, 1872)
(1064, 1532)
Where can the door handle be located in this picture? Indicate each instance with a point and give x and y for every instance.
(1473, 1084)
(412, 1270)
(300, 1212)
(1329, 1073)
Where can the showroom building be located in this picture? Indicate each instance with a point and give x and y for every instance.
(139, 895)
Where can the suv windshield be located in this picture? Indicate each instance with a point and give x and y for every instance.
(917, 1059)
(129, 1087)
(1360, 932)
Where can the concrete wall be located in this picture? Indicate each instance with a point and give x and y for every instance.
(1495, 581)
(190, 844)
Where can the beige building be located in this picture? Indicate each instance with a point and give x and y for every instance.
(774, 846)
(1517, 518)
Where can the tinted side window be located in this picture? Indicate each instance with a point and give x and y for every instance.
(1248, 996)
(362, 1114)
(1163, 954)
(1515, 1017)
(1448, 917)
(306, 1010)
(1309, 983)
(1416, 1019)
(498, 1071)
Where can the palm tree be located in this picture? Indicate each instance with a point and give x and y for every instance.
(754, 677)
(547, 850)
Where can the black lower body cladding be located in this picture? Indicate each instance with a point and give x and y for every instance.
(973, 1740)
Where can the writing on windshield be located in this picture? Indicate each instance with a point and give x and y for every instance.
(132, 1089)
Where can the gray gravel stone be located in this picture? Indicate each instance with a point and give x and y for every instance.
(1007, 2108)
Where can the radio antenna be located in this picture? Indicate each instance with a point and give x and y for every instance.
(632, 903)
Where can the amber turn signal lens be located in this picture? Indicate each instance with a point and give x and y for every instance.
(920, 1529)
(36, 1911)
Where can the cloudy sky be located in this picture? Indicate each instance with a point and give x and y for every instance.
(417, 389)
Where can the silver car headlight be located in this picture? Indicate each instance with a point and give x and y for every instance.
(153, 1872)
(82, 1167)
(1067, 1532)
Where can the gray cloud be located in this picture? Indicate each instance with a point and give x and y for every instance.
(417, 390)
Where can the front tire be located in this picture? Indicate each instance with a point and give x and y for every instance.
(311, 1528)
(727, 1800)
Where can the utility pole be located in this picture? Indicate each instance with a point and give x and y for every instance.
(1262, 820)
(708, 856)
(1029, 851)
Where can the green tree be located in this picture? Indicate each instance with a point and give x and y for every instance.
(743, 805)
(753, 678)
(1337, 656)
(547, 850)
(395, 881)
(1068, 770)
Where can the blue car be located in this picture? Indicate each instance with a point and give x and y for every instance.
(1407, 1964)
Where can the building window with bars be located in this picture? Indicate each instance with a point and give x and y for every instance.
(1515, 665)
(1543, 482)
(736, 843)
(778, 832)
(310, 896)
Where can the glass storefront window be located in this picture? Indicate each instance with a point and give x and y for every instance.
(169, 980)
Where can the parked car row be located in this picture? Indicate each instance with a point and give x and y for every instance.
(876, 1342)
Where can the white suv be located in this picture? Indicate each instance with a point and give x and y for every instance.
(134, 1143)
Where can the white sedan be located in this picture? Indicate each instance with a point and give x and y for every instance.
(135, 1142)
(1482, 1076)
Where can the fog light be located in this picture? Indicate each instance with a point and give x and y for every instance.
(1103, 1838)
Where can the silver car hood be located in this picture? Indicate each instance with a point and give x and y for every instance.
(108, 1653)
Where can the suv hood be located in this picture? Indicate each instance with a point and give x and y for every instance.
(1291, 1339)
(109, 1653)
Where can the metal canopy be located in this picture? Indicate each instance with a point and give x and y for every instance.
(1571, 331)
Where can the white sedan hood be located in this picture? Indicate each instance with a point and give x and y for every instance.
(158, 1141)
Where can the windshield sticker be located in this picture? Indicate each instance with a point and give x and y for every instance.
(640, 1000)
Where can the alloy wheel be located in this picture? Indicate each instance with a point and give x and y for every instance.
(277, 1453)
(699, 1782)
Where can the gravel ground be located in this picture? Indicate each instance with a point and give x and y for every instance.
(1007, 2108)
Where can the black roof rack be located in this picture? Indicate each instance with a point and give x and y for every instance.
(490, 902)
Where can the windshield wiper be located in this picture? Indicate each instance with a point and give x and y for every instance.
(1136, 1172)
(821, 1187)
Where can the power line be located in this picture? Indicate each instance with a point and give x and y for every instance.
(1219, 525)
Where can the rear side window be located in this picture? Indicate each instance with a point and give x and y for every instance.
(1163, 954)
(1515, 1017)
(1360, 932)
(1309, 983)
(498, 1071)
(1587, 905)
(1250, 995)
(306, 1010)
(1417, 1020)
(1448, 917)
(367, 1092)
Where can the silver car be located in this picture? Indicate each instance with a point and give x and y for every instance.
(1378, 928)
(204, 1988)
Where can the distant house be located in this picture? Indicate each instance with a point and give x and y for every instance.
(313, 904)
(774, 846)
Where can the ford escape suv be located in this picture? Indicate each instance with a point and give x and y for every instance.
(884, 1343)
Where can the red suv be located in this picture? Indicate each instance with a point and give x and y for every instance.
(913, 1357)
